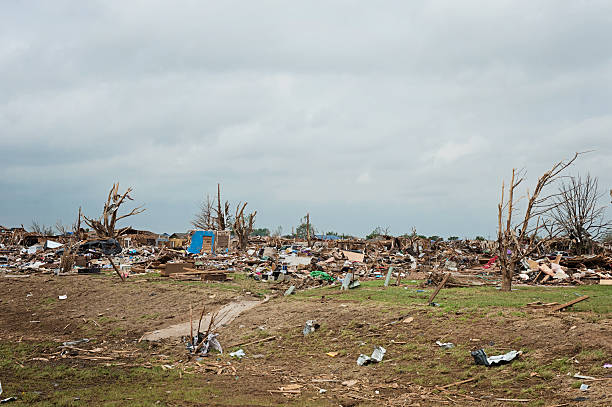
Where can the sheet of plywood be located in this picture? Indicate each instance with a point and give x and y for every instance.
(352, 256)
(222, 240)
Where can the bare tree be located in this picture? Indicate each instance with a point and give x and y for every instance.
(222, 214)
(104, 226)
(41, 229)
(213, 218)
(243, 225)
(60, 228)
(204, 219)
(517, 240)
(68, 257)
(577, 213)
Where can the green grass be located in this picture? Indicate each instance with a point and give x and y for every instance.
(473, 298)
(69, 383)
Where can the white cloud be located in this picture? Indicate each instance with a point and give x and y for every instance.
(405, 114)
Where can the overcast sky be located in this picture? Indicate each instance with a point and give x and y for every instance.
(365, 114)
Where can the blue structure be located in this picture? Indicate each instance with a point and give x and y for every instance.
(327, 237)
(197, 241)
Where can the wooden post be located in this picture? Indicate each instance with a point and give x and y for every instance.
(438, 288)
(78, 227)
(115, 267)
(308, 228)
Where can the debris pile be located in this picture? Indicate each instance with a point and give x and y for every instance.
(212, 255)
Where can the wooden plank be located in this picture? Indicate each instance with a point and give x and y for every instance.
(605, 282)
(433, 295)
(544, 268)
(352, 256)
(189, 270)
(569, 304)
(172, 268)
(458, 383)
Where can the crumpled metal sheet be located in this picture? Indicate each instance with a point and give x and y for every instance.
(481, 358)
(377, 356)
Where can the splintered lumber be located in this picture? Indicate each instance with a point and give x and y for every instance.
(545, 269)
(438, 288)
(569, 304)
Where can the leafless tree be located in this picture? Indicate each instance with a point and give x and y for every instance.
(104, 226)
(577, 213)
(41, 229)
(213, 218)
(60, 228)
(243, 225)
(68, 257)
(204, 219)
(517, 240)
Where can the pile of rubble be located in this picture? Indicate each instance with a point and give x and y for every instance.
(209, 255)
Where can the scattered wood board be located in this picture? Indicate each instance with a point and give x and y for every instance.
(352, 256)
(569, 304)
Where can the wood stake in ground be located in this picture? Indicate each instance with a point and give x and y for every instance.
(438, 288)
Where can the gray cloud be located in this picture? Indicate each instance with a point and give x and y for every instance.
(405, 115)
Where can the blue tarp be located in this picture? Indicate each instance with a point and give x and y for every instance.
(327, 237)
(197, 240)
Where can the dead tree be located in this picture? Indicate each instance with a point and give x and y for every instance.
(60, 228)
(222, 215)
(41, 229)
(213, 218)
(578, 214)
(243, 225)
(104, 226)
(204, 219)
(517, 240)
(68, 257)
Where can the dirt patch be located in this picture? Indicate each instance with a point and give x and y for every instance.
(321, 368)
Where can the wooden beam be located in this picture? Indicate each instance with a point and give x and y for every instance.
(116, 269)
(438, 288)
(569, 304)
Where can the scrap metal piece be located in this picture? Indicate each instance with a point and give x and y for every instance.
(377, 356)
(310, 327)
(481, 358)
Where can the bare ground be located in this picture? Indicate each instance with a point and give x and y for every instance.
(114, 368)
